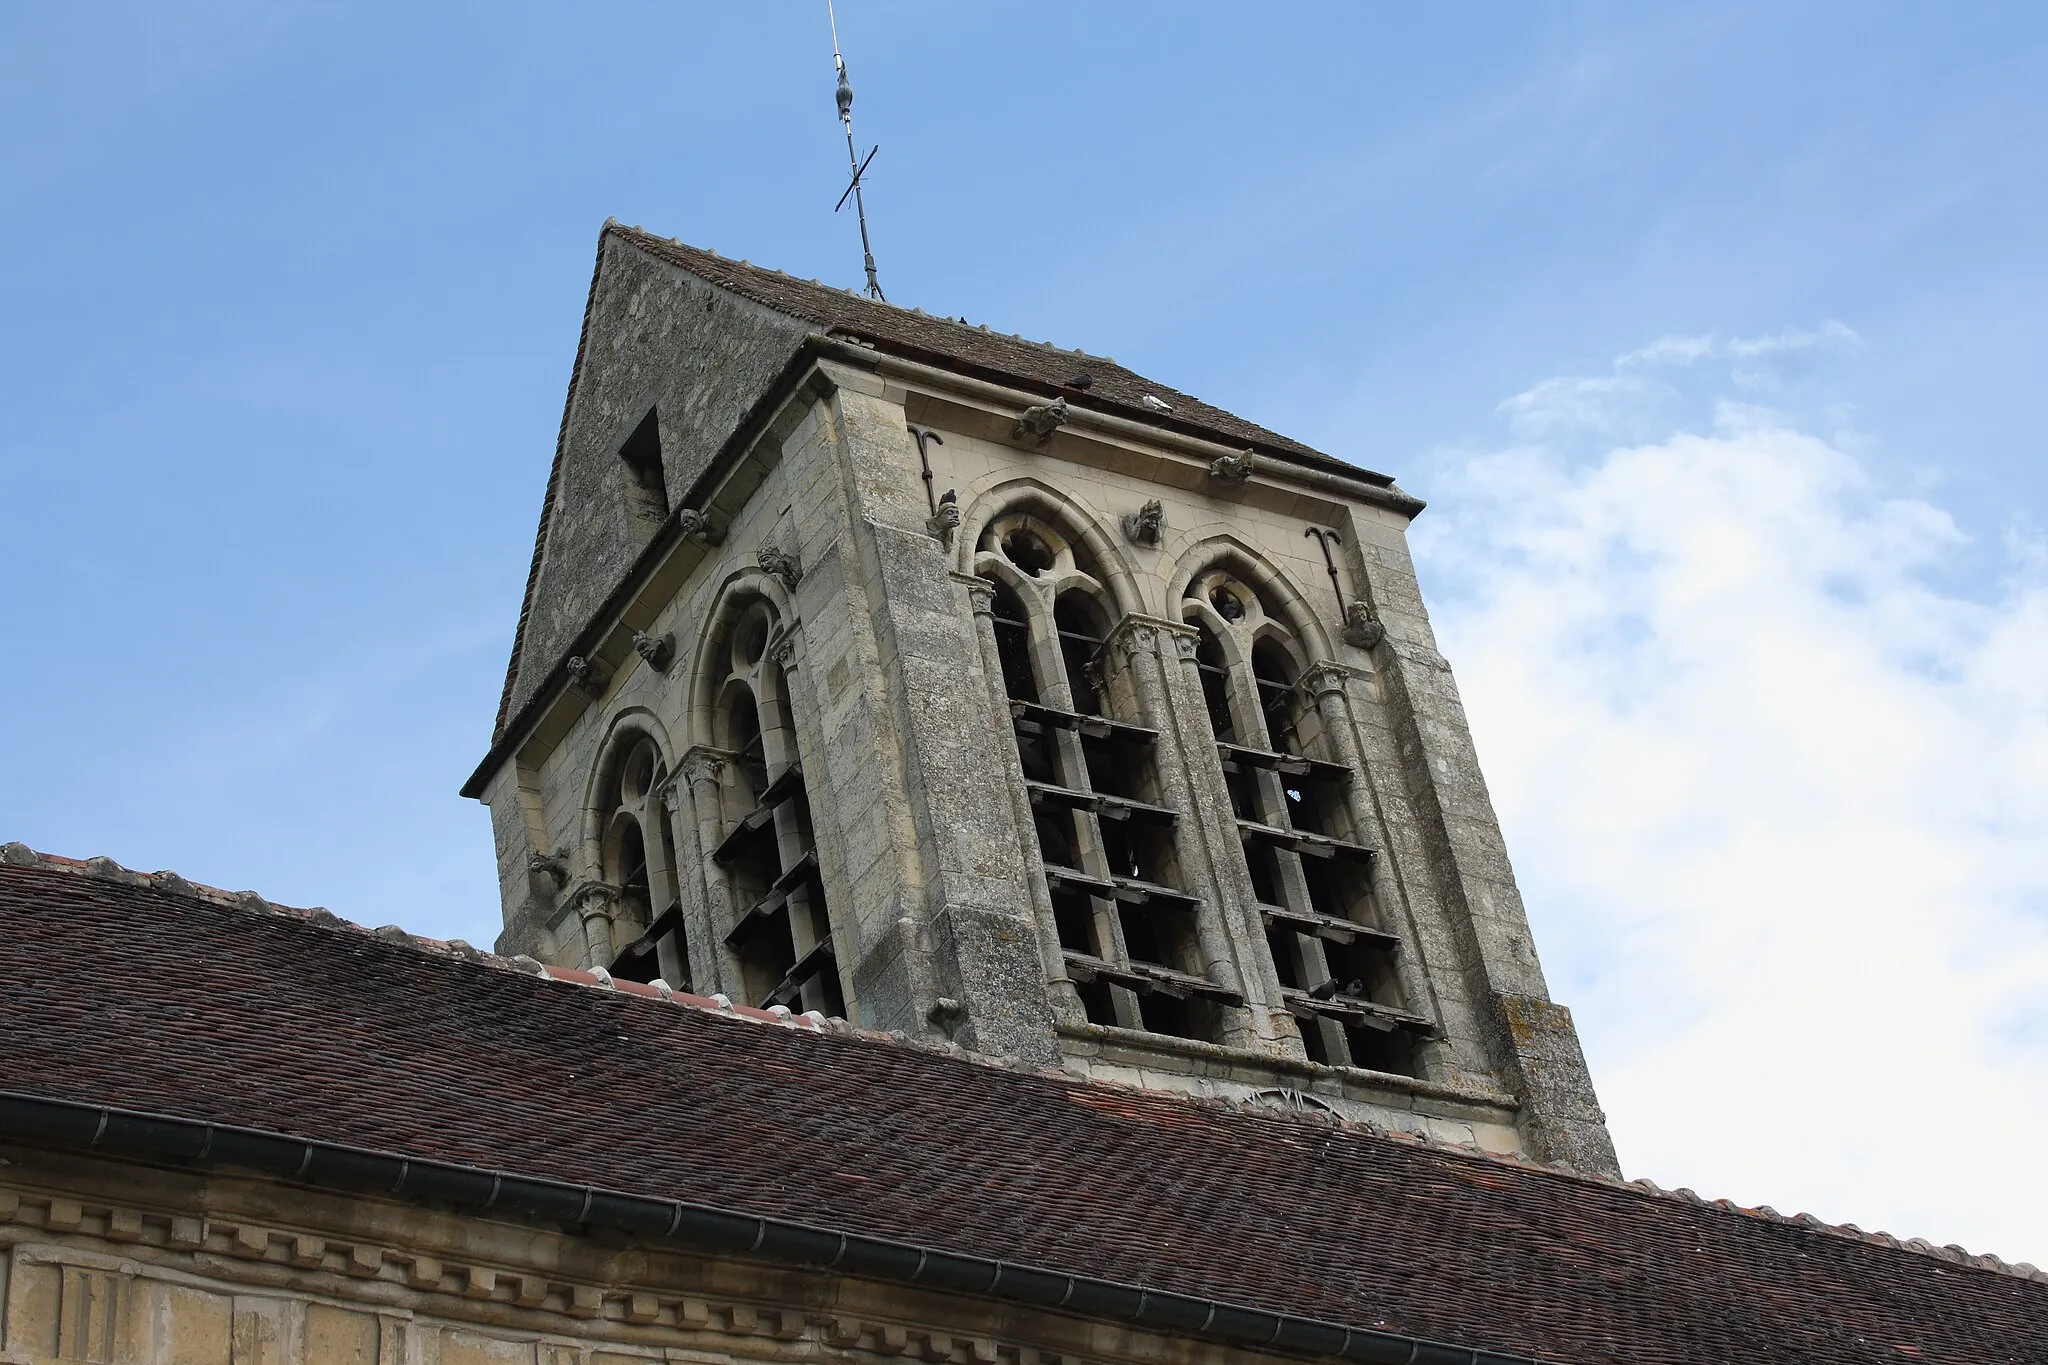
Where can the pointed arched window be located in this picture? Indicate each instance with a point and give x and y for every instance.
(1106, 839)
(638, 858)
(780, 937)
(1308, 863)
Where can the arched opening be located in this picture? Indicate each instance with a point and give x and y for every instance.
(1106, 840)
(1310, 875)
(1013, 645)
(638, 858)
(780, 934)
(1024, 547)
(743, 738)
(1081, 626)
(1273, 676)
(636, 907)
(1215, 675)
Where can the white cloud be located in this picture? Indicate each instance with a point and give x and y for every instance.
(1778, 805)
(1689, 350)
(1673, 350)
(1600, 403)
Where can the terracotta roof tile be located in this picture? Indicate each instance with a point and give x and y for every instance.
(152, 994)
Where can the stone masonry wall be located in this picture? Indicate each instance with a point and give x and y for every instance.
(929, 866)
(657, 337)
(105, 1264)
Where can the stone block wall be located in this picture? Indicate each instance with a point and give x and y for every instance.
(940, 924)
(103, 1263)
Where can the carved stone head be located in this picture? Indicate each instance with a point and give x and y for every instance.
(1147, 525)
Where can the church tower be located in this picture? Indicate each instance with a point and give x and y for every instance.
(986, 693)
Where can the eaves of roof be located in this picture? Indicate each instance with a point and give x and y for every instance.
(218, 1009)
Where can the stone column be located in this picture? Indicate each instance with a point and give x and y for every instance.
(1275, 1029)
(1066, 1000)
(595, 906)
(696, 811)
(785, 649)
(1150, 649)
(1330, 684)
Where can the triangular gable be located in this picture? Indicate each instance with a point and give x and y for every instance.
(699, 338)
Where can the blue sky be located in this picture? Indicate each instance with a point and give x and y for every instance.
(1713, 333)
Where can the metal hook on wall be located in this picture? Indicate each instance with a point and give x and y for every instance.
(925, 463)
(1326, 538)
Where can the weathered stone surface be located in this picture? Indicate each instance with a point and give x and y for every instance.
(925, 834)
(656, 337)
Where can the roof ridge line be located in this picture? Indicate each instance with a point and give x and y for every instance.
(17, 854)
(105, 869)
(635, 230)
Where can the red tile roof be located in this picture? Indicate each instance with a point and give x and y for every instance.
(150, 994)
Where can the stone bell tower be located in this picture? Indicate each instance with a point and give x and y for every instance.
(988, 694)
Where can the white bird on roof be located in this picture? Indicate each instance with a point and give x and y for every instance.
(1155, 403)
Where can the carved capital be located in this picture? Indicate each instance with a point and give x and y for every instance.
(675, 792)
(1135, 635)
(696, 525)
(593, 899)
(702, 764)
(1321, 679)
(1147, 525)
(658, 650)
(782, 647)
(1039, 422)
(586, 677)
(1136, 640)
(1233, 468)
(783, 564)
(1362, 628)
(981, 595)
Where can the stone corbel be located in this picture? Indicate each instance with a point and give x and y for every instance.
(1362, 628)
(1040, 422)
(549, 867)
(946, 1014)
(658, 650)
(1233, 468)
(587, 678)
(1147, 525)
(782, 564)
(941, 525)
(696, 525)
